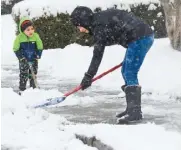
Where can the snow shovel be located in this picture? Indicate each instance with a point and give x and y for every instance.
(33, 74)
(56, 100)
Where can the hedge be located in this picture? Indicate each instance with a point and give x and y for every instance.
(58, 32)
(6, 8)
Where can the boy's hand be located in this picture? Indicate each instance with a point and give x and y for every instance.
(37, 57)
(38, 54)
(23, 60)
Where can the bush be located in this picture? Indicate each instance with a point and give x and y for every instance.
(58, 32)
(154, 17)
(6, 7)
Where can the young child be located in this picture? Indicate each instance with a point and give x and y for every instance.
(28, 49)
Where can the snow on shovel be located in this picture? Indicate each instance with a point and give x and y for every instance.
(56, 100)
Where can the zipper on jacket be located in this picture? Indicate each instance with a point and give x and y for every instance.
(28, 43)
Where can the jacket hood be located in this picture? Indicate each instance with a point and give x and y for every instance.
(82, 16)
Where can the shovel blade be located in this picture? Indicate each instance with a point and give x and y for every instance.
(51, 101)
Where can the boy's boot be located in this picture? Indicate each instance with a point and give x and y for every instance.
(23, 76)
(32, 83)
(22, 86)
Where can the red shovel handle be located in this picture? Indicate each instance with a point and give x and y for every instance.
(94, 79)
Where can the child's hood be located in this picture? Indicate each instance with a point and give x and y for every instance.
(21, 21)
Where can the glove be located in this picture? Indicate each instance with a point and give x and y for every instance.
(38, 54)
(86, 81)
(37, 57)
(23, 60)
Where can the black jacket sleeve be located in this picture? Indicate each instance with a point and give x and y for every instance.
(96, 59)
(97, 53)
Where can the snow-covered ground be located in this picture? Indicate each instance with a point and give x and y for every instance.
(29, 129)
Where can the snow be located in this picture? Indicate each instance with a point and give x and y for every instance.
(34, 8)
(7, 55)
(149, 134)
(36, 129)
(152, 7)
(159, 14)
(160, 65)
(160, 73)
(33, 129)
(30, 129)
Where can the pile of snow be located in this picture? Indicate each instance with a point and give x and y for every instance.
(135, 137)
(34, 8)
(8, 37)
(35, 129)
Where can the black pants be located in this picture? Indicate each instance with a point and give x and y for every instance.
(25, 74)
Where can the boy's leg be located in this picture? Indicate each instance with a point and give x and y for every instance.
(134, 57)
(35, 70)
(24, 68)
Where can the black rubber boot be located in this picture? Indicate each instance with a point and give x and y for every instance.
(133, 112)
(22, 85)
(22, 88)
(123, 88)
(32, 83)
(124, 112)
(23, 67)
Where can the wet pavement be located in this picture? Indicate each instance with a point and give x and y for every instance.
(107, 102)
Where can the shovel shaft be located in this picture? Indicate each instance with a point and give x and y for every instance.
(54, 101)
(93, 80)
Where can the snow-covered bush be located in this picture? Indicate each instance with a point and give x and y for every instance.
(7, 5)
(51, 17)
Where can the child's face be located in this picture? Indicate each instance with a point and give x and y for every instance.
(29, 31)
(82, 29)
